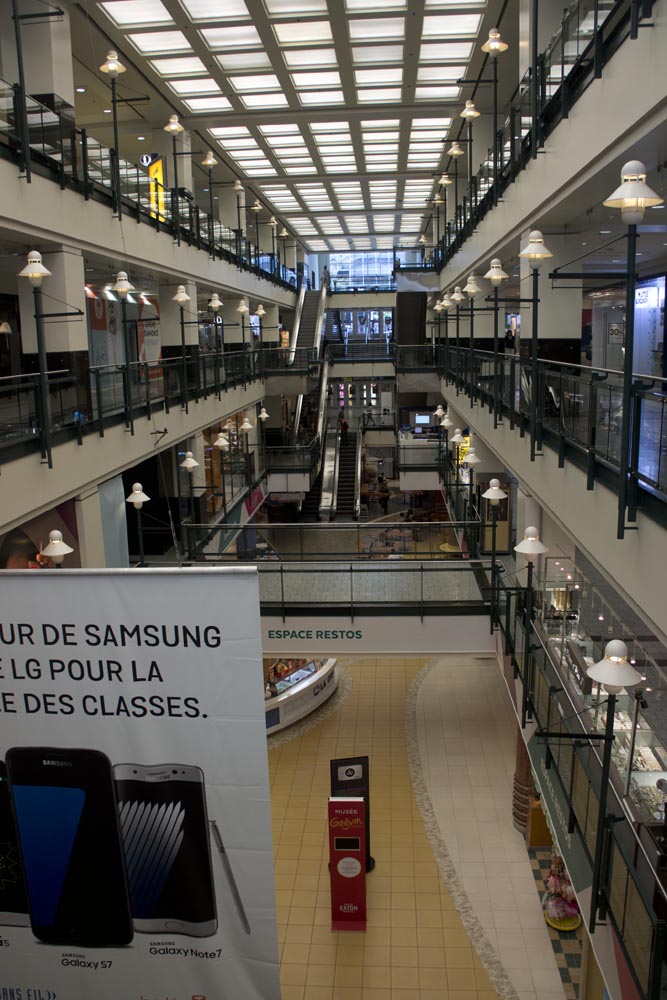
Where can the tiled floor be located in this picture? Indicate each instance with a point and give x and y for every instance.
(441, 738)
(416, 947)
(566, 944)
(466, 738)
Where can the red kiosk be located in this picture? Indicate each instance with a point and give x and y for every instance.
(347, 863)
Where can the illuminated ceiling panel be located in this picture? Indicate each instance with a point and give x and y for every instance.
(132, 13)
(232, 37)
(281, 67)
(157, 42)
(214, 10)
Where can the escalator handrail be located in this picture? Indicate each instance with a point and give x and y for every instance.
(327, 510)
(357, 468)
(297, 323)
(319, 319)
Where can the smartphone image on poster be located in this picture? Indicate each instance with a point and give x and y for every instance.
(165, 833)
(69, 837)
(13, 899)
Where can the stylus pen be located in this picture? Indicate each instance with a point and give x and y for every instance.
(224, 857)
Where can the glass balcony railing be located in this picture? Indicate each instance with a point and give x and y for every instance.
(587, 37)
(566, 706)
(33, 133)
(577, 407)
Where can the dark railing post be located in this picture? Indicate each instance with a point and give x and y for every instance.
(633, 486)
(24, 129)
(512, 390)
(624, 458)
(98, 395)
(533, 78)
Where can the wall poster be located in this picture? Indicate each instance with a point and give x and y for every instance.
(135, 828)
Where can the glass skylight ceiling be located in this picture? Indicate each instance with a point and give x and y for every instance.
(319, 112)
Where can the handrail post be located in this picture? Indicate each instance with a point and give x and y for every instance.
(98, 395)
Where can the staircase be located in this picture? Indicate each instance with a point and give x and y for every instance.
(308, 324)
(346, 474)
(310, 508)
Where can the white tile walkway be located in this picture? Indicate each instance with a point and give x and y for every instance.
(466, 733)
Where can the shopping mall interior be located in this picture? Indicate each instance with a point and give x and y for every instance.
(326, 289)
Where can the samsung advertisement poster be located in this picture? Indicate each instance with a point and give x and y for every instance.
(135, 826)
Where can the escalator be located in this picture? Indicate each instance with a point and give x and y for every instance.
(346, 489)
(310, 508)
(308, 337)
(308, 325)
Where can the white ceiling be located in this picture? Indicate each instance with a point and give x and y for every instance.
(332, 112)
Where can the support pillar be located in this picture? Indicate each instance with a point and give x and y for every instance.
(523, 786)
(559, 308)
(66, 339)
(90, 529)
(172, 338)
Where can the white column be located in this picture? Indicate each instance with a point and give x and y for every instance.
(90, 529)
(559, 307)
(170, 316)
(63, 291)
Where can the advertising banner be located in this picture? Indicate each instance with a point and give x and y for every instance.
(135, 829)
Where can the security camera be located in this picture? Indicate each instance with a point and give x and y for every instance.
(661, 785)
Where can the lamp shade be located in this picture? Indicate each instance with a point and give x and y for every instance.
(613, 671)
(238, 187)
(34, 270)
(173, 125)
(137, 496)
(531, 544)
(439, 412)
(455, 150)
(246, 425)
(470, 111)
(438, 306)
(122, 286)
(438, 200)
(495, 274)
(260, 311)
(471, 288)
(283, 233)
(242, 307)
(456, 295)
(446, 302)
(189, 463)
(634, 195)
(215, 302)
(494, 44)
(112, 65)
(494, 493)
(535, 250)
(273, 222)
(209, 160)
(422, 238)
(221, 442)
(472, 458)
(446, 422)
(457, 437)
(263, 415)
(57, 549)
(445, 180)
(256, 206)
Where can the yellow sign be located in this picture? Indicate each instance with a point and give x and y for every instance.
(156, 187)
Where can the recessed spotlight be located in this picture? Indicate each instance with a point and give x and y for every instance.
(616, 260)
(107, 111)
(605, 232)
(81, 90)
(584, 244)
(600, 618)
(141, 138)
(639, 254)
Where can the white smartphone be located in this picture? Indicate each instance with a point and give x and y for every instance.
(165, 834)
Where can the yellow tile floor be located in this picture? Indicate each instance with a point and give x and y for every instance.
(415, 947)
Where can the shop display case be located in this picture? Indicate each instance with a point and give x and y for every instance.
(295, 688)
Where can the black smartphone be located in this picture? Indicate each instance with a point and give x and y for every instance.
(67, 823)
(13, 899)
(165, 834)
